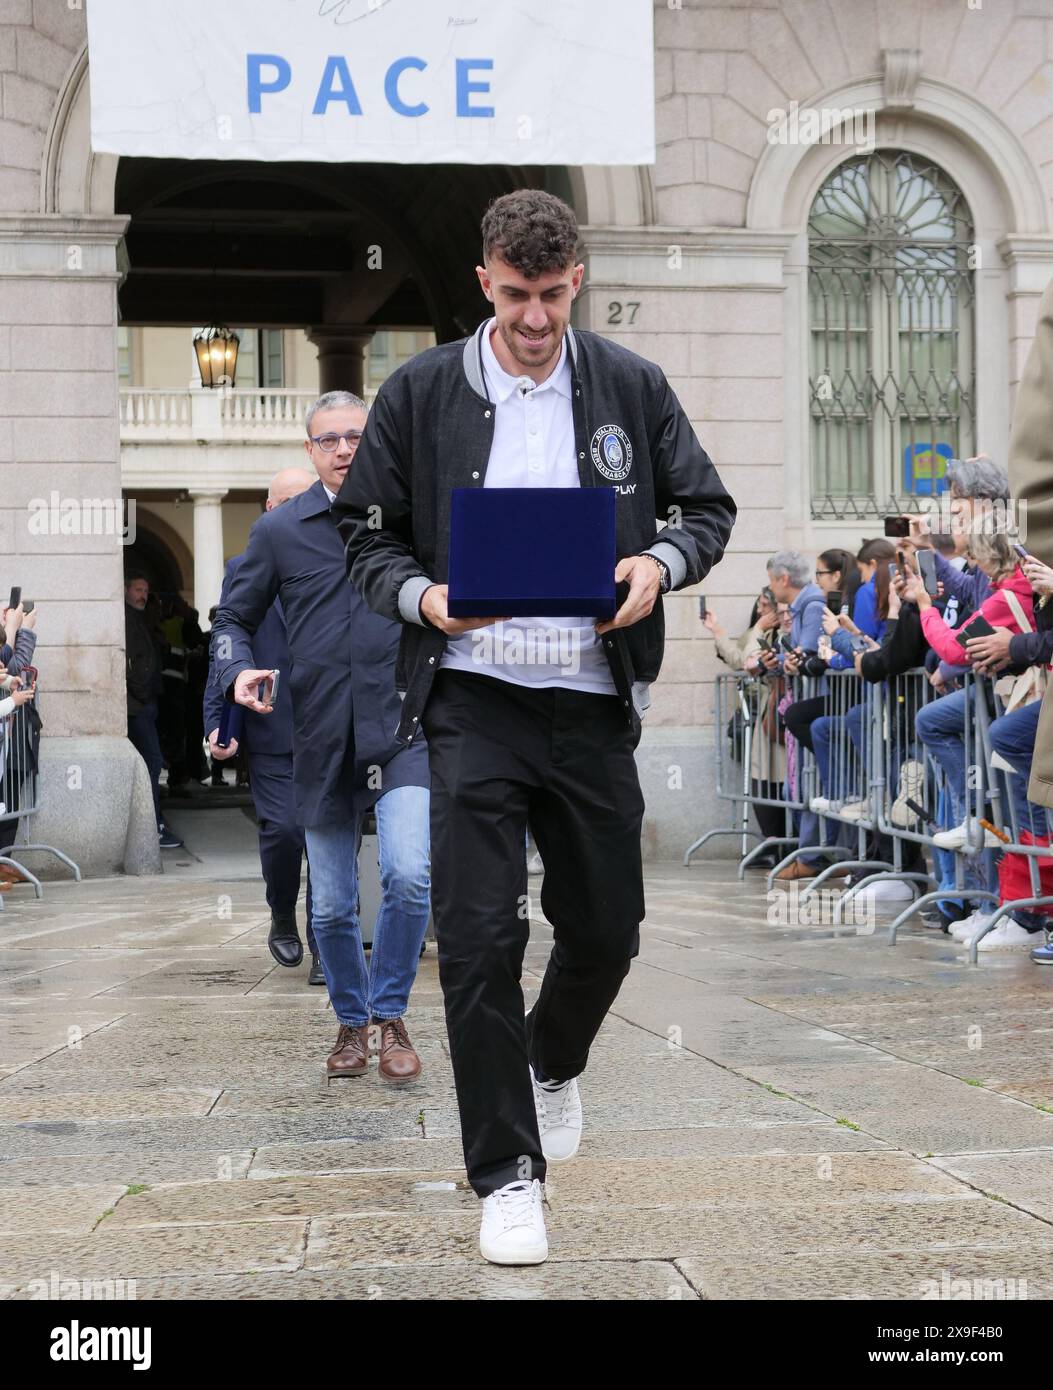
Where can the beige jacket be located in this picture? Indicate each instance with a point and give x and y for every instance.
(736, 651)
(1031, 483)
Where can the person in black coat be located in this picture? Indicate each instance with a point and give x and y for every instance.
(142, 650)
(346, 759)
(267, 742)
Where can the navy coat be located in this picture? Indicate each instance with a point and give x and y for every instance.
(341, 671)
(270, 734)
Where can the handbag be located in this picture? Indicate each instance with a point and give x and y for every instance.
(1017, 691)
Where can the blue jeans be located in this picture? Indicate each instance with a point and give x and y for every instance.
(1013, 736)
(941, 727)
(838, 774)
(381, 990)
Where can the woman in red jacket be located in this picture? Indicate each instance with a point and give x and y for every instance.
(1010, 601)
(1010, 595)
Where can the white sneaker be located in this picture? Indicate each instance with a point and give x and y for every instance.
(513, 1228)
(887, 890)
(854, 810)
(967, 928)
(968, 833)
(1007, 935)
(820, 805)
(558, 1118)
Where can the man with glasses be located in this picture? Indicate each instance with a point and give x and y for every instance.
(345, 756)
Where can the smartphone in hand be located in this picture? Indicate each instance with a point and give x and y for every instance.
(268, 691)
(927, 569)
(897, 526)
(977, 626)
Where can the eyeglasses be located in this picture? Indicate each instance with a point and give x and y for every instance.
(329, 443)
(819, 573)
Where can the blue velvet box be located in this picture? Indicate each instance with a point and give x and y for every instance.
(519, 552)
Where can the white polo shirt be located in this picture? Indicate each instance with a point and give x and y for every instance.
(533, 446)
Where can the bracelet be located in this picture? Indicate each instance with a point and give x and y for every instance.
(667, 578)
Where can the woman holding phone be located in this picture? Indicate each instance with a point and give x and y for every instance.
(1010, 596)
(941, 724)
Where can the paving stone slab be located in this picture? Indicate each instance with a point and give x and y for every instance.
(222, 1133)
(32, 1211)
(886, 1080)
(348, 1156)
(166, 1250)
(26, 1037)
(48, 1105)
(1025, 1179)
(923, 1129)
(818, 1138)
(126, 1169)
(932, 1223)
(295, 1198)
(603, 1279)
(751, 1180)
(989, 1276)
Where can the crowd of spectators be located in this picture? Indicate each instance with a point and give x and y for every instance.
(970, 601)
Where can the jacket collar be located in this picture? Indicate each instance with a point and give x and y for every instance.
(312, 502)
(472, 359)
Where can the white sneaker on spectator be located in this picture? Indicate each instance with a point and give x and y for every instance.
(967, 928)
(513, 1226)
(821, 804)
(854, 810)
(968, 833)
(1007, 935)
(887, 890)
(559, 1118)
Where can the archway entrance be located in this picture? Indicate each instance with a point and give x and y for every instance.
(337, 248)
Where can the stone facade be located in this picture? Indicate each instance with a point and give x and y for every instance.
(709, 246)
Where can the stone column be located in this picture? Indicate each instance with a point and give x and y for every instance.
(341, 357)
(61, 524)
(62, 532)
(208, 548)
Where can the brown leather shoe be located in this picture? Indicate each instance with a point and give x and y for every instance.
(398, 1059)
(350, 1054)
(797, 870)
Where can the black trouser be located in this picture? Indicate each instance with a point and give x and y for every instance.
(771, 819)
(503, 754)
(801, 715)
(281, 839)
(142, 730)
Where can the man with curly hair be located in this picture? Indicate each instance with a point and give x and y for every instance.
(527, 401)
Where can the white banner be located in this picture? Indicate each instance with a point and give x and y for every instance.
(405, 81)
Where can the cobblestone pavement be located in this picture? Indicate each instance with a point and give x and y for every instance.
(771, 1112)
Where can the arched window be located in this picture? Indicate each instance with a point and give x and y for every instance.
(892, 369)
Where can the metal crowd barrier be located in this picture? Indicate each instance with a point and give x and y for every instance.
(873, 777)
(20, 789)
(750, 761)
